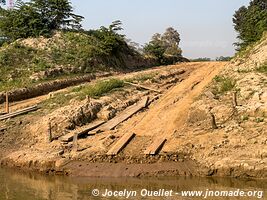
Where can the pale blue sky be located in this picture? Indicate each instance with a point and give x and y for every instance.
(205, 25)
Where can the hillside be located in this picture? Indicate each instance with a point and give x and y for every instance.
(238, 100)
(27, 62)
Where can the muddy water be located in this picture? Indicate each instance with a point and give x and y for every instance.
(26, 186)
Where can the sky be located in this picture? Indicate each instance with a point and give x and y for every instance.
(205, 26)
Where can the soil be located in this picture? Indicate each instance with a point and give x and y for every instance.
(189, 150)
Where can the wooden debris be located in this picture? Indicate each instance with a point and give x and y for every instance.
(2, 129)
(213, 121)
(124, 115)
(49, 132)
(7, 103)
(234, 99)
(81, 131)
(75, 143)
(144, 87)
(121, 144)
(3, 113)
(19, 112)
(195, 84)
(155, 147)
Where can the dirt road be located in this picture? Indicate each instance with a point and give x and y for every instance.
(171, 111)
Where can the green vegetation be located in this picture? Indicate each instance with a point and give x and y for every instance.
(95, 90)
(43, 40)
(223, 84)
(263, 68)
(223, 58)
(76, 53)
(200, 60)
(165, 48)
(38, 18)
(250, 23)
(99, 88)
(142, 77)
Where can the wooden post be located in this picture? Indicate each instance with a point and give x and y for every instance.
(75, 143)
(49, 132)
(213, 121)
(7, 103)
(234, 99)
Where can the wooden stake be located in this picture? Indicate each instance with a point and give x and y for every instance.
(234, 99)
(7, 103)
(75, 143)
(49, 132)
(213, 121)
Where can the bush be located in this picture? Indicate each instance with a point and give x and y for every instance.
(263, 68)
(223, 84)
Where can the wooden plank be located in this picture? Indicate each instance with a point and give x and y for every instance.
(155, 147)
(81, 131)
(3, 113)
(124, 115)
(121, 144)
(19, 112)
(144, 87)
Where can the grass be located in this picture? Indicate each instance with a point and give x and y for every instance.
(99, 88)
(223, 84)
(263, 68)
(57, 101)
(95, 91)
(142, 77)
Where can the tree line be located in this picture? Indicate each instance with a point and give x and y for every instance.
(43, 17)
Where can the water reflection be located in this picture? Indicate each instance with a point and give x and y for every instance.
(19, 186)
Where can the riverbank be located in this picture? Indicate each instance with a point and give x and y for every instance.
(188, 149)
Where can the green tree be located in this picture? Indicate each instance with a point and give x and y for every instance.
(250, 23)
(165, 47)
(36, 18)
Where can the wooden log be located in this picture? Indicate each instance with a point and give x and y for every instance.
(124, 115)
(7, 103)
(19, 112)
(3, 113)
(81, 131)
(155, 147)
(141, 86)
(121, 144)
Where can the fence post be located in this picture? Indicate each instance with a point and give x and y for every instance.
(7, 103)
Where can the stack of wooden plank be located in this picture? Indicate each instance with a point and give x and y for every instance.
(19, 112)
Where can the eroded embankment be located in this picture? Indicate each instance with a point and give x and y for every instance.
(187, 149)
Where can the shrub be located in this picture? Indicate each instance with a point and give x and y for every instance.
(223, 84)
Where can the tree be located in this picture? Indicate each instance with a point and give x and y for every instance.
(223, 58)
(36, 18)
(56, 14)
(250, 23)
(165, 47)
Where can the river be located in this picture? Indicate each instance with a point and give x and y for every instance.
(30, 186)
